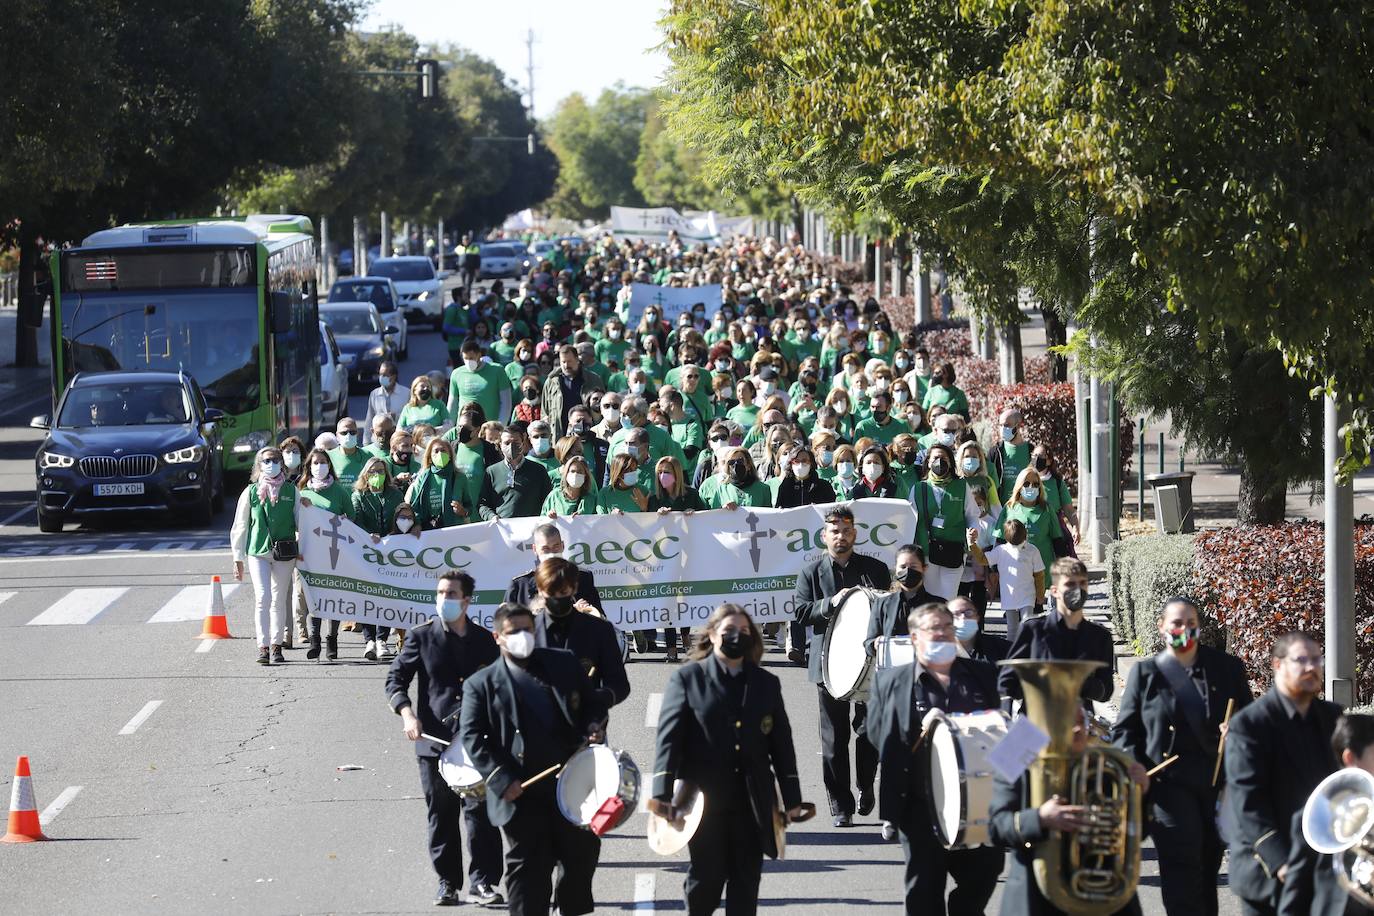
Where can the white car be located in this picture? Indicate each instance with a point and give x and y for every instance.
(501, 261)
(333, 380)
(420, 288)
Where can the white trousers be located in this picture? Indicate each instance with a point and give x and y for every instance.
(271, 596)
(1014, 617)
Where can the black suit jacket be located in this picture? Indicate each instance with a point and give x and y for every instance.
(522, 590)
(696, 728)
(815, 588)
(1268, 785)
(1151, 727)
(893, 725)
(887, 613)
(593, 641)
(1045, 637)
(442, 662)
(490, 723)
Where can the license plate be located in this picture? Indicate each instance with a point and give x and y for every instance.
(119, 489)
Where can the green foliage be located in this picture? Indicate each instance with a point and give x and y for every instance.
(597, 146)
(1142, 572)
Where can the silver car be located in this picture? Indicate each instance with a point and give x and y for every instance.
(333, 379)
(501, 261)
(420, 288)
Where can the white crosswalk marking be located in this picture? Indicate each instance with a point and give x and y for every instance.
(78, 606)
(58, 803)
(652, 710)
(190, 603)
(644, 892)
(140, 717)
(6, 596)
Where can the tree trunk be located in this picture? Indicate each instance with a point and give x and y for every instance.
(30, 315)
(1263, 495)
(1056, 335)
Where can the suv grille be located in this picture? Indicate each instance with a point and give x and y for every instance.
(104, 466)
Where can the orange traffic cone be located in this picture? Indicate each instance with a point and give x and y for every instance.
(216, 627)
(24, 826)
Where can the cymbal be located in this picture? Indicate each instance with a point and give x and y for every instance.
(664, 837)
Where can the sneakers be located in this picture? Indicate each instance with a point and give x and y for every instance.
(384, 650)
(263, 658)
(866, 802)
(370, 651)
(889, 831)
(314, 651)
(447, 895)
(277, 657)
(303, 635)
(485, 895)
(331, 648)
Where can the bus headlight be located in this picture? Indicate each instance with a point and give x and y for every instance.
(184, 455)
(55, 460)
(251, 442)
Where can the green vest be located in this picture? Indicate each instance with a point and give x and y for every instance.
(430, 496)
(268, 522)
(334, 498)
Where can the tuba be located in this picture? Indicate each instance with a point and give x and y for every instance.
(1338, 820)
(1093, 870)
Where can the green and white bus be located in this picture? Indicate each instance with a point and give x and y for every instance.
(231, 302)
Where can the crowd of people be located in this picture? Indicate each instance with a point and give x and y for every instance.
(560, 401)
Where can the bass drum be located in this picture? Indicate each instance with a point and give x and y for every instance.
(961, 780)
(846, 665)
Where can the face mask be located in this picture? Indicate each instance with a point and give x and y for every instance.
(440, 459)
(737, 469)
(734, 645)
(271, 468)
(902, 396)
(386, 381)
(376, 481)
(626, 423)
(879, 415)
(845, 469)
(423, 394)
(576, 479)
(946, 438)
(404, 524)
(902, 363)
(1008, 433)
(970, 465)
(939, 653)
(841, 408)
(520, 644)
(801, 471)
(769, 387)
(966, 628)
(873, 470)
(512, 452)
(472, 364)
(722, 365)
(523, 356)
(507, 334)
(450, 609)
(402, 457)
(612, 414)
(666, 479)
(614, 333)
(636, 387)
(292, 459)
(320, 471)
(540, 445)
(531, 395)
(1182, 638)
(465, 434)
(631, 477)
(939, 467)
(1041, 465)
(1074, 598)
(1030, 494)
(825, 456)
(559, 606)
(880, 385)
(348, 440)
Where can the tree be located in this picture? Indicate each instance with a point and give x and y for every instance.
(597, 146)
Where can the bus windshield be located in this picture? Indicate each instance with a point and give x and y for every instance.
(212, 334)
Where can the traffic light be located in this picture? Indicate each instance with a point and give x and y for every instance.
(428, 71)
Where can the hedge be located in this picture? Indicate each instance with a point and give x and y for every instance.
(1142, 572)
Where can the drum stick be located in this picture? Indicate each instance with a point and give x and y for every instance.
(1162, 766)
(591, 671)
(538, 776)
(1221, 743)
(435, 740)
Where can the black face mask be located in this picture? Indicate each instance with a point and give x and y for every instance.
(908, 457)
(734, 645)
(1074, 598)
(738, 470)
(578, 429)
(910, 577)
(1041, 465)
(465, 434)
(423, 394)
(531, 395)
(559, 607)
(880, 415)
(939, 467)
(402, 457)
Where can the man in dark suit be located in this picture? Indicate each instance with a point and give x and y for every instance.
(723, 728)
(560, 624)
(1277, 750)
(1065, 634)
(548, 542)
(513, 487)
(532, 709)
(938, 679)
(822, 587)
(1174, 705)
(442, 654)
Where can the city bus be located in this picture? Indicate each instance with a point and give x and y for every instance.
(230, 302)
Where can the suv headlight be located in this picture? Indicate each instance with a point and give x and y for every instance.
(424, 294)
(251, 442)
(184, 455)
(375, 351)
(54, 460)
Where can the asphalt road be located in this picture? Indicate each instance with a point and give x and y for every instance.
(173, 780)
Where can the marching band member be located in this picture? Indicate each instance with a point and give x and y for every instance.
(531, 710)
(974, 641)
(547, 543)
(890, 612)
(442, 653)
(822, 586)
(1277, 749)
(1175, 705)
(1063, 633)
(938, 679)
(562, 624)
(724, 729)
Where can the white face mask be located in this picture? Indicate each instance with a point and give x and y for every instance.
(576, 479)
(612, 414)
(348, 440)
(769, 387)
(636, 387)
(552, 555)
(386, 381)
(403, 525)
(880, 385)
(902, 396)
(271, 468)
(801, 471)
(519, 645)
(939, 653)
(845, 469)
(472, 364)
(614, 333)
(841, 408)
(873, 470)
(320, 471)
(292, 459)
(825, 456)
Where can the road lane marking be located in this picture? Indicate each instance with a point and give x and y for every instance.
(142, 716)
(206, 645)
(81, 605)
(57, 805)
(190, 603)
(18, 515)
(6, 596)
(644, 893)
(652, 710)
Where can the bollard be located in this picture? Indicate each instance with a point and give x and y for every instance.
(1161, 452)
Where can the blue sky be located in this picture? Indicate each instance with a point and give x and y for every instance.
(583, 47)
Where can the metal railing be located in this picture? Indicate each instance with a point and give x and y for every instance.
(9, 289)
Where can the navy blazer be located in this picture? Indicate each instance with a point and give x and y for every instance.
(815, 588)
(490, 725)
(594, 643)
(522, 590)
(696, 724)
(442, 662)
(1043, 638)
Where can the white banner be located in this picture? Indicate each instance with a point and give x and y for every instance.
(652, 571)
(672, 301)
(652, 224)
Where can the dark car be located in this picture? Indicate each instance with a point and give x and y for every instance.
(381, 292)
(364, 340)
(129, 442)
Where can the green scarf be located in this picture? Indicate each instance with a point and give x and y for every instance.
(941, 482)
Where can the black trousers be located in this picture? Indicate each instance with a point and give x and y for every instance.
(727, 856)
(929, 864)
(538, 838)
(1189, 849)
(315, 625)
(373, 632)
(835, 730)
(977, 592)
(446, 812)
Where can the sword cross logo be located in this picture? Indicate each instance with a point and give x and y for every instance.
(335, 537)
(755, 535)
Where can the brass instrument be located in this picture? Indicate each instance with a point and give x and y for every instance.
(1095, 869)
(1338, 820)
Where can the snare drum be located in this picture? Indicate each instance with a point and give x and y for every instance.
(598, 788)
(455, 766)
(961, 780)
(846, 666)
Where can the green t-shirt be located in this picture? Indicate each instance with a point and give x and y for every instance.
(431, 412)
(503, 352)
(334, 498)
(952, 399)
(485, 386)
(1056, 493)
(746, 415)
(607, 350)
(884, 433)
(558, 501)
(348, 467)
(1042, 528)
(687, 434)
(1015, 459)
(756, 495)
(611, 498)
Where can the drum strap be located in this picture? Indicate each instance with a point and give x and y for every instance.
(1190, 702)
